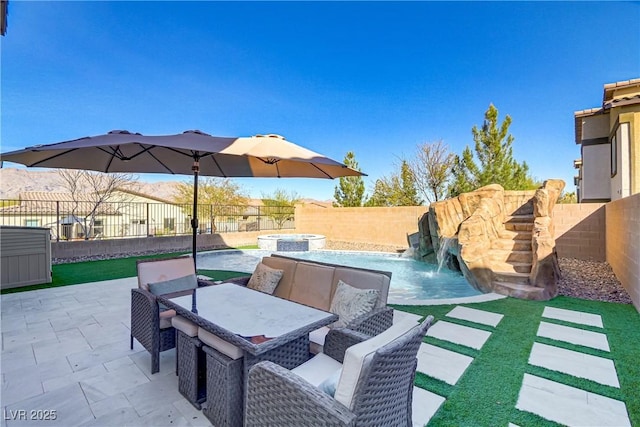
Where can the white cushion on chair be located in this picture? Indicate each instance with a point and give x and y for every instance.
(317, 369)
(185, 325)
(165, 318)
(358, 356)
(219, 344)
(316, 339)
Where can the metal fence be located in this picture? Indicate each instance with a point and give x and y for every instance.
(110, 220)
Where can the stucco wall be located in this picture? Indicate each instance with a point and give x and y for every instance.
(623, 243)
(383, 226)
(580, 231)
(596, 172)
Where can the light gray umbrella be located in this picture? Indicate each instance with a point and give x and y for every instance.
(191, 152)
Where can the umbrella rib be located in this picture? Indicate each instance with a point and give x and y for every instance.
(315, 166)
(218, 165)
(161, 162)
(52, 157)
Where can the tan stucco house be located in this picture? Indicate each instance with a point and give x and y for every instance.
(609, 139)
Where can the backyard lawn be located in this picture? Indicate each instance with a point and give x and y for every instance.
(487, 392)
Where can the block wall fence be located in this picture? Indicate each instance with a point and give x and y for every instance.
(623, 243)
(376, 225)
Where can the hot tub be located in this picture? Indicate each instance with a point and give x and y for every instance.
(291, 242)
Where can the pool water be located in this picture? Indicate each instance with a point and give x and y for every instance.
(410, 280)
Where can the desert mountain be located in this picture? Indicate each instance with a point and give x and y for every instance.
(15, 181)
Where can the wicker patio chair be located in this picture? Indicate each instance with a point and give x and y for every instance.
(375, 385)
(151, 323)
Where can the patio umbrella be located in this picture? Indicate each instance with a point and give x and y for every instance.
(191, 152)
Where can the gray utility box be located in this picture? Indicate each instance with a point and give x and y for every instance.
(26, 256)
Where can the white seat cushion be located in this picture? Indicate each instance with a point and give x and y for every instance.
(165, 318)
(317, 369)
(185, 325)
(358, 356)
(219, 344)
(316, 339)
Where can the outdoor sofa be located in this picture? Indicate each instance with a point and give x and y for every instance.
(314, 283)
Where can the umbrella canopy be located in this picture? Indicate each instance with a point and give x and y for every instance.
(122, 151)
(191, 152)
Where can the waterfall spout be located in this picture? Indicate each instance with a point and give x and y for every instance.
(443, 251)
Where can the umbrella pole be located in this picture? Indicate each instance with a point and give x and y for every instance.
(194, 225)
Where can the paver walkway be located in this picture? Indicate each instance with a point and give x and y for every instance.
(572, 406)
(548, 399)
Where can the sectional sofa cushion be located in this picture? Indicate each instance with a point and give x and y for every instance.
(312, 285)
(288, 267)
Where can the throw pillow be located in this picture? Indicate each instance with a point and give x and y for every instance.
(329, 385)
(349, 302)
(265, 279)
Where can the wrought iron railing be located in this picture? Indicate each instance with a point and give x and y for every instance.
(114, 220)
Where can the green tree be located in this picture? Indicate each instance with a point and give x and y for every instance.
(350, 191)
(280, 206)
(493, 147)
(217, 197)
(399, 189)
(569, 197)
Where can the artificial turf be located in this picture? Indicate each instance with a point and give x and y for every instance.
(487, 393)
(93, 271)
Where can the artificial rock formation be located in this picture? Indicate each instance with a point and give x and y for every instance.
(502, 241)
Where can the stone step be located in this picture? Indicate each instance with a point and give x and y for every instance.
(516, 235)
(511, 245)
(519, 218)
(518, 226)
(506, 255)
(506, 277)
(511, 267)
(519, 290)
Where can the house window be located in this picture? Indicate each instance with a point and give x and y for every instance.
(98, 227)
(170, 224)
(31, 223)
(614, 156)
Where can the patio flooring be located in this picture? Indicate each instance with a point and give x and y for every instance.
(67, 350)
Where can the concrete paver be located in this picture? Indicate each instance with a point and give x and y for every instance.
(574, 363)
(573, 316)
(476, 316)
(458, 334)
(569, 405)
(425, 405)
(442, 364)
(571, 335)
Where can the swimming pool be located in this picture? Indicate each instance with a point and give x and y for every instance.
(411, 280)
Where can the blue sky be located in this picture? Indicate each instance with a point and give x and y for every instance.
(376, 78)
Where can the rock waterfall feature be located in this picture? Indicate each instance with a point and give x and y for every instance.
(502, 241)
